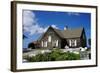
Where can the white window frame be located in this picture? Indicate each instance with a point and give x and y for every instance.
(56, 43)
(71, 43)
(45, 43)
(75, 42)
(42, 43)
(49, 38)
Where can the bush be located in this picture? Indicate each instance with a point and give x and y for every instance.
(55, 55)
(73, 56)
(42, 57)
(63, 56)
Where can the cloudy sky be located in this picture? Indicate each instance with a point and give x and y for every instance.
(37, 22)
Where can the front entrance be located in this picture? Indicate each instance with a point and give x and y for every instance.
(63, 44)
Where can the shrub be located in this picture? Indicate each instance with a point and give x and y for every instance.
(63, 56)
(73, 56)
(30, 59)
(42, 57)
(55, 55)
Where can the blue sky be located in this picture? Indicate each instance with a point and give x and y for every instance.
(36, 22)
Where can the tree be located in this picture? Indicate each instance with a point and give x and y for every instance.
(24, 36)
(89, 42)
(31, 45)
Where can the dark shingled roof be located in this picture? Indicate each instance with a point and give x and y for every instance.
(72, 33)
(68, 33)
(59, 32)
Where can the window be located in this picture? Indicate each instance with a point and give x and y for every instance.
(49, 38)
(42, 43)
(72, 43)
(75, 43)
(69, 42)
(45, 44)
(56, 43)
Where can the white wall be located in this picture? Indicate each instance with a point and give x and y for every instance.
(5, 37)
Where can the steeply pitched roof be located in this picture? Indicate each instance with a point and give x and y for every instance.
(58, 32)
(68, 33)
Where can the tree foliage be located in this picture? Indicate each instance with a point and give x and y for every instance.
(31, 45)
(89, 41)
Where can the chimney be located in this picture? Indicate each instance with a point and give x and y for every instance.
(66, 27)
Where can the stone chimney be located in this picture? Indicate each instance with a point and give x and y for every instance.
(66, 27)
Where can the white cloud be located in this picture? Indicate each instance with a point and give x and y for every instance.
(28, 18)
(54, 26)
(31, 25)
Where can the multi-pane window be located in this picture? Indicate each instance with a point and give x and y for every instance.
(44, 43)
(73, 43)
(55, 43)
(49, 38)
